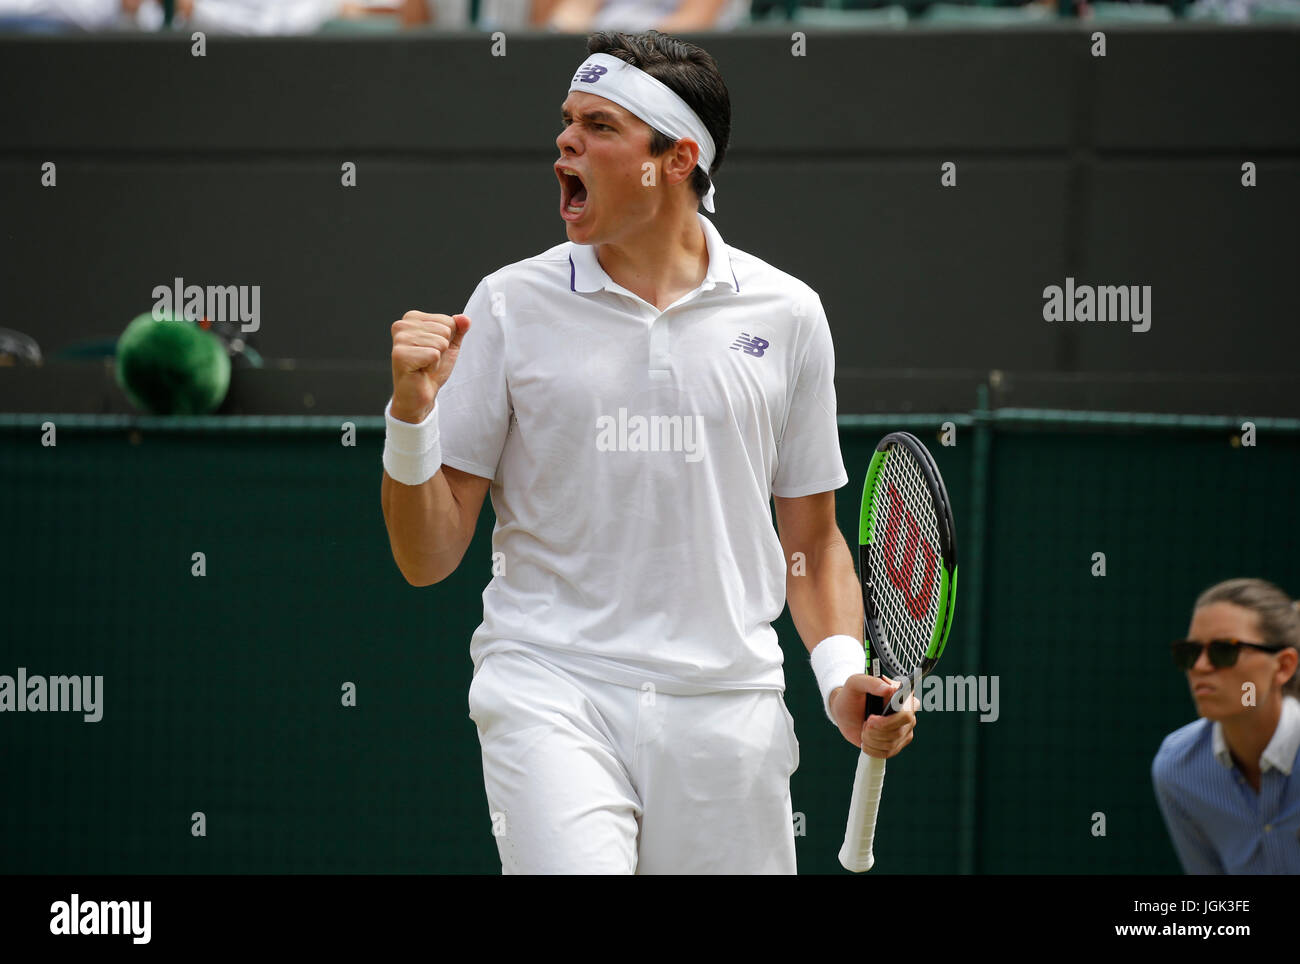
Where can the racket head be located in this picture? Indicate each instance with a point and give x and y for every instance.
(907, 557)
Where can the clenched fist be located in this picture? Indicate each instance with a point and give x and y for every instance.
(425, 348)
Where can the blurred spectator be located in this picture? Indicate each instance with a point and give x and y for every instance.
(1229, 11)
(265, 17)
(409, 13)
(666, 16)
(506, 15)
(214, 16)
(256, 16)
(54, 15)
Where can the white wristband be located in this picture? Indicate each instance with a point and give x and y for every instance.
(834, 660)
(412, 453)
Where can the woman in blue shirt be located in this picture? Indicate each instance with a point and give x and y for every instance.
(1228, 784)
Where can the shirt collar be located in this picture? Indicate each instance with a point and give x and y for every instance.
(586, 274)
(1281, 750)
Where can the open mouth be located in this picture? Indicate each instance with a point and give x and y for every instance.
(573, 196)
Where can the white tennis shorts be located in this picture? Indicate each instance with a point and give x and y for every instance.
(588, 777)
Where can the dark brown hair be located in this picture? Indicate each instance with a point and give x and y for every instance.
(690, 73)
(1279, 616)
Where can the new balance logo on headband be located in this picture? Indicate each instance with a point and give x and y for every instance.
(590, 73)
(751, 344)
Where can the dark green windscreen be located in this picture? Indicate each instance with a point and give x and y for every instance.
(222, 693)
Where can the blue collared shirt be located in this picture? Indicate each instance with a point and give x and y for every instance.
(1218, 823)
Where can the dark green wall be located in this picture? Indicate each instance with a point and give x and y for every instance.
(222, 692)
(1120, 170)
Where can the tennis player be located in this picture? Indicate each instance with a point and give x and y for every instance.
(1228, 784)
(634, 398)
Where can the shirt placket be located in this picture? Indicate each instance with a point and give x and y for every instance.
(660, 358)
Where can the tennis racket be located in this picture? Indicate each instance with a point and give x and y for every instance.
(907, 557)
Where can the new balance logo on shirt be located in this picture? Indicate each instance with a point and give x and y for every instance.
(751, 344)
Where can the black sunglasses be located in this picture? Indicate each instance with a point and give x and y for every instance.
(1223, 652)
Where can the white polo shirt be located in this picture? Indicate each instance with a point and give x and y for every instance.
(633, 455)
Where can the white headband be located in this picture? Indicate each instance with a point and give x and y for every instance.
(649, 99)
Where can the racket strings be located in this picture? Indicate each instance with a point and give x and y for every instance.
(906, 564)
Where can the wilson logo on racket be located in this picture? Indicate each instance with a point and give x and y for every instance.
(901, 570)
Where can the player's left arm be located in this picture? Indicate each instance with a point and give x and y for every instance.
(825, 599)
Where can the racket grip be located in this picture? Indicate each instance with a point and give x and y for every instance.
(856, 854)
(875, 706)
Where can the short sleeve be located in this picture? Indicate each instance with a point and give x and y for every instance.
(474, 405)
(808, 458)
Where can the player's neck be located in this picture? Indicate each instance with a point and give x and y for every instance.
(1248, 734)
(661, 263)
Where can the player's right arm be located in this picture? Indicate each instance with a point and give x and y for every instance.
(429, 525)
